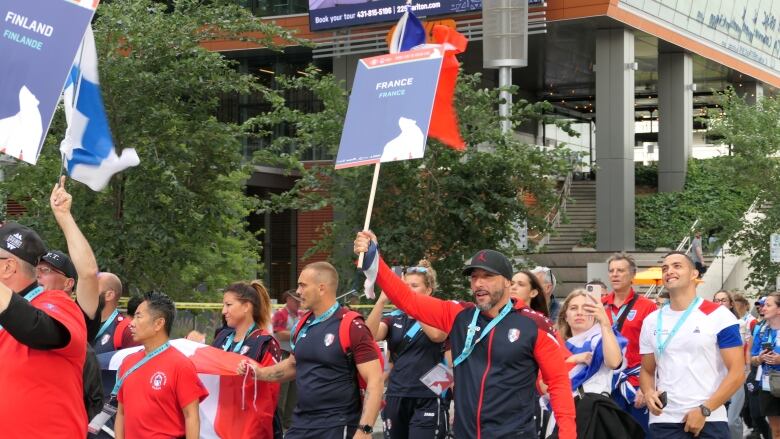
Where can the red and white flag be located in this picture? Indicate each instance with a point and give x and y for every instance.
(224, 412)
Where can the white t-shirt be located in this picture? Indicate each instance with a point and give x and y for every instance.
(691, 367)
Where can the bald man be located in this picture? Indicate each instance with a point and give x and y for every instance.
(329, 404)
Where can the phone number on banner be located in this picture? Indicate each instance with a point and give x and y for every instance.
(390, 10)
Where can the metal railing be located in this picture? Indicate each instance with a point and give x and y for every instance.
(683, 246)
(554, 216)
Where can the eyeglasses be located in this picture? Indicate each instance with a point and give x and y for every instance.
(416, 270)
(723, 300)
(48, 270)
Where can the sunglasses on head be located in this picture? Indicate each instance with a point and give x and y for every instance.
(416, 270)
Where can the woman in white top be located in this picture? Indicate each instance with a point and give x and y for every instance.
(595, 347)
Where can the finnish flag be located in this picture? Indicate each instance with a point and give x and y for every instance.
(88, 149)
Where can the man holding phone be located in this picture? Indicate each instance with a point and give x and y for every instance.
(692, 359)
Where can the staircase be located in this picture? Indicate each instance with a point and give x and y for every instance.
(581, 217)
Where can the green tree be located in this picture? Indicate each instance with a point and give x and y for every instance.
(444, 207)
(177, 222)
(753, 133)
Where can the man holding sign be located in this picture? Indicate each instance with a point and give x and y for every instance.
(498, 346)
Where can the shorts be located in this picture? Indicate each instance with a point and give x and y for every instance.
(341, 432)
(770, 405)
(414, 418)
(711, 430)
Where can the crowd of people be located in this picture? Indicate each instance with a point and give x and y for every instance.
(603, 362)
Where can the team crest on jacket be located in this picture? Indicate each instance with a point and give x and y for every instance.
(158, 380)
(244, 350)
(513, 335)
(329, 339)
(105, 339)
(631, 315)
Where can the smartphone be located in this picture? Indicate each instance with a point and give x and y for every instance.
(594, 291)
(662, 398)
(767, 346)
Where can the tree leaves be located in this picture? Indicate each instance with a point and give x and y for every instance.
(177, 222)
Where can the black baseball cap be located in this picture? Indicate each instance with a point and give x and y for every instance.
(489, 260)
(22, 242)
(61, 261)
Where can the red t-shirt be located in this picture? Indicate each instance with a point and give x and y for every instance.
(42, 391)
(153, 396)
(632, 326)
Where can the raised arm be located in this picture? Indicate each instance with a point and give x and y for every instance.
(79, 250)
(429, 310)
(613, 357)
(374, 321)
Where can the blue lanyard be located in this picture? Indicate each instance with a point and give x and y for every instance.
(661, 346)
(135, 367)
(35, 292)
(468, 347)
(413, 330)
(107, 323)
(302, 333)
(229, 340)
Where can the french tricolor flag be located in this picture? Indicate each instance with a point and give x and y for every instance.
(408, 34)
(223, 414)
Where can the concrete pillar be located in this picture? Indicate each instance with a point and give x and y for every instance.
(752, 91)
(675, 117)
(615, 139)
(344, 68)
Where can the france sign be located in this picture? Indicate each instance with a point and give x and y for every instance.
(38, 43)
(390, 108)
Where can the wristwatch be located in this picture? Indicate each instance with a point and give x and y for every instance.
(365, 428)
(705, 411)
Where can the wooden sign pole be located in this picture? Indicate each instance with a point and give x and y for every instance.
(370, 207)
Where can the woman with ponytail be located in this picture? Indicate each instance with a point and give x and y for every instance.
(246, 309)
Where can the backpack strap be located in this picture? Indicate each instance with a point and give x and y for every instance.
(346, 320)
(346, 345)
(622, 319)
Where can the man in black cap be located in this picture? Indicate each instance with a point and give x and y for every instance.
(498, 348)
(42, 346)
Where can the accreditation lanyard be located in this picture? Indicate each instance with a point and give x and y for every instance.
(107, 323)
(325, 316)
(30, 296)
(468, 347)
(677, 326)
(135, 367)
(413, 330)
(229, 341)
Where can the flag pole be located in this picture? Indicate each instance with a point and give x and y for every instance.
(76, 90)
(367, 223)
